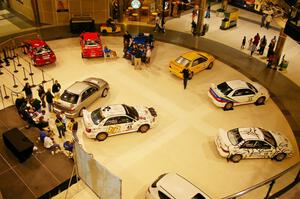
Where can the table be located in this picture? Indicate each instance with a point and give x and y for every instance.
(18, 144)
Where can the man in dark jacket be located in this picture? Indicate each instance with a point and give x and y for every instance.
(56, 88)
(49, 99)
(186, 76)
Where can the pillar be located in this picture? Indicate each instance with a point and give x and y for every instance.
(279, 46)
(224, 4)
(201, 13)
(36, 14)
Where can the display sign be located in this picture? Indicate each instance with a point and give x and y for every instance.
(136, 4)
(62, 6)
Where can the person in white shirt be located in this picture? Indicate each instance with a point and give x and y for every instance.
(50, 144)
(148, 55)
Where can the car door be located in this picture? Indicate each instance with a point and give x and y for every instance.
(264, 149)
(126, 124)
(111, 126)
(243, 96)
(195, 66)
(88, 96)
(247, 149)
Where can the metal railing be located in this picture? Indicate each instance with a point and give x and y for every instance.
(271, 182)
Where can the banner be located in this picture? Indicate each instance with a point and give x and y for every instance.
(62, 6)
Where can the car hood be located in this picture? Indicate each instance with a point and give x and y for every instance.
(283, 142)
(261, 90)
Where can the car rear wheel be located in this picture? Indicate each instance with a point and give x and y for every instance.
(144, 128)
(280, 156)
(101, 136)
(260, 101)
(228, 106)
(104, 92)
(210, 65)
(236, 158)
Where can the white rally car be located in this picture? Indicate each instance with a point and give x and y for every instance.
(117, 119)
(240, 143)
(237, 92)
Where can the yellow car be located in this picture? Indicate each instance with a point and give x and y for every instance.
(194, 61)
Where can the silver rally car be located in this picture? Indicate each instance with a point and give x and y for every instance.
(80, 95)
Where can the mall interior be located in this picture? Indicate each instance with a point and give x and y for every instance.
(183, 139)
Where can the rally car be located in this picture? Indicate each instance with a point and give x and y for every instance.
(194, 61)
(39, 52)
(91, 45)
(80, 95)
(142, 39)
(240, 143)
(173, 185)
(237, 92)
(117, 119)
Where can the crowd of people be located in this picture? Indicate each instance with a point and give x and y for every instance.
(258, 44)
(33, 111)
(138, 53)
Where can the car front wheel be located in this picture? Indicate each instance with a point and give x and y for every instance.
(101, 136)
(144, 128)
(236, 158)
(104, 92)
(260, 101)
(280, 156)
(228, 106)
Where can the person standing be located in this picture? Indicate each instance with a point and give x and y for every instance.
(263, 43)
(60, 126)
(271, 47)
(137, 59)
(256, 39)
(194, 26)
(207, 15)
(148, 55)
(243, 42)
(28, 91)
(157, 23)
(55, 89)
(127, 38)
(49, 99)
(74, 130)
(250, 43)
(186, 76)
(268, 21)
(263, 20)
(42, 94)
(252, 49)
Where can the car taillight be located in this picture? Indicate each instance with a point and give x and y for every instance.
(216, 97)
(88, 130)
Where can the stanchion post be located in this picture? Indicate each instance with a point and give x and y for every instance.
(25, 78)
(9, 51)
(1, 62)
(33, 85)
(15, 84)
(43, 77)
(2, 98)
(15, 71)
(30, 69)
(14, 56)
(1, 73)
(19, 64)
(5, 94)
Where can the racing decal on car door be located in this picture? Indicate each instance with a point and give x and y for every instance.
(113, 129)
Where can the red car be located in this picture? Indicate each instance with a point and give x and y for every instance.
(91, 45)
(39, 52)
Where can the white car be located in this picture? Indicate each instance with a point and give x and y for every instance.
(237, 92)
(240, 143)
(117, 119)
(172, 185)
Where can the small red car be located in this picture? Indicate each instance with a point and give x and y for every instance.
(39, 52)
(91, 45)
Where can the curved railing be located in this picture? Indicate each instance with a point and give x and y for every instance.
(236, 60)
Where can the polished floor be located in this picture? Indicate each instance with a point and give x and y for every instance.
(183, 140)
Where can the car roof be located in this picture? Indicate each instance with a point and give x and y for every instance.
(251, 133)
(234, 84)
(90, 35)
(178, 186)
(36, 42)
(78, 87)
(113, 110)
(192, 55)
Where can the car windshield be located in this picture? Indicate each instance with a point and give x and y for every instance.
(131, 112)
(224, 88)
(268, 137)
(91, 42)
(69, 97)
(97, 116)
(252, 87)
(234, 136)
(42, 50)
(198, 196)
(183, 61)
